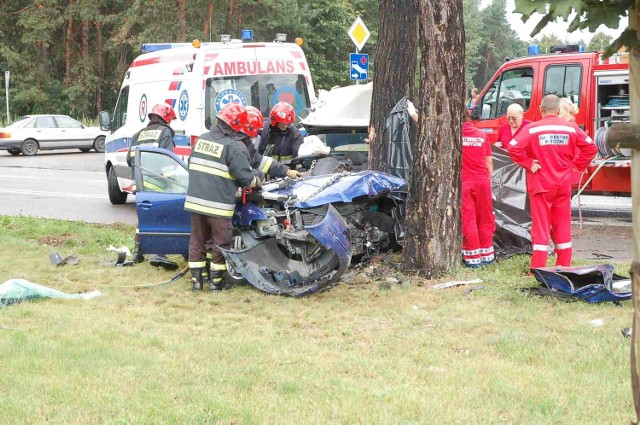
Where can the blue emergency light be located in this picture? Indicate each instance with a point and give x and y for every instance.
(534, 50)
(247, 35)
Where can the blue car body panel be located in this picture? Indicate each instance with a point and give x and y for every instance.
(246, 214)
(345, 189)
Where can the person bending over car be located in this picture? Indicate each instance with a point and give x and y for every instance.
(219, 164)
(158, 134)
(280, 139)
(264, 164)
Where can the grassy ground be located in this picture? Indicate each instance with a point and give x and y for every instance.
(361, 353)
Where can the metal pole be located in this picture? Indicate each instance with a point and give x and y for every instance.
(357, 51)
(6, 84)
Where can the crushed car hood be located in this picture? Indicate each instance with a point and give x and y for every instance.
(345, 188)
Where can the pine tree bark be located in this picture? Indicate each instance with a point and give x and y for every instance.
(67, 45)
(84, 40)
(182, 19)
(206, 22)
(229, 20)
(100, 57)
(433, 238)
(395, 69)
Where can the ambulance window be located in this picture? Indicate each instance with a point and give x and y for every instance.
(262, 91)
(513, 86)
(564, 81)
(120, 113)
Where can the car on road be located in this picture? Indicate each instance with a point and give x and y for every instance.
(31, 133)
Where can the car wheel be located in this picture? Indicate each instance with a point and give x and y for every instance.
(98, 145)
(29, 147)
(14, 152)
(116, 196)
(231, 276)
(84, 149)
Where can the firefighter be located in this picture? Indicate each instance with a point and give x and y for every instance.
(159, 134)
(219, 164)
(280, 139)
(478, 222)
(550, 149)
(264, 164)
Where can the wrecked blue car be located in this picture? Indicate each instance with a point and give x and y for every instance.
(294, 237)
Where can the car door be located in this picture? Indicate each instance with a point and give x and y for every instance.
(162, 179)
(47, 133)
(73, 132)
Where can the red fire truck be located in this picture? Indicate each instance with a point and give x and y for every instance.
(598, 86)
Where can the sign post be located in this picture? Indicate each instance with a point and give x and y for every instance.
(359, 63)
(6, 85)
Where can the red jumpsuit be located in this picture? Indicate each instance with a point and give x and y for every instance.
(505, 136)
(559, 146)
(478, 221)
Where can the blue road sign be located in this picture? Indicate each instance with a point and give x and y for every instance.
(359, 69)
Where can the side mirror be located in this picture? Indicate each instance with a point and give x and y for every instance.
(105, 121)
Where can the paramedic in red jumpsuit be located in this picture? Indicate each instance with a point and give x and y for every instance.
(478, 221)
(550, 149)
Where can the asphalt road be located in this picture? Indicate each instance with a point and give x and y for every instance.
(72, 185)
(63, 184)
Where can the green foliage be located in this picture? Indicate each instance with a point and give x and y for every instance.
(495, 41)
(588, 15)
(34, 37)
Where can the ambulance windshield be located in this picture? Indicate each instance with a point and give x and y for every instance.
(262, 91)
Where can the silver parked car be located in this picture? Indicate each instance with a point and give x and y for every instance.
(31, 133)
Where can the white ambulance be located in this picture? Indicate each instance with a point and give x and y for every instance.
(197, 80)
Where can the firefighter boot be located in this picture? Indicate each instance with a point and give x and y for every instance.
(217, 281)
(199, 276)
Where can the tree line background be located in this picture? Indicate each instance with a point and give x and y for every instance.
(69, 56)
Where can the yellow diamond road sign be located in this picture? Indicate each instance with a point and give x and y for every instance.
(359, 33)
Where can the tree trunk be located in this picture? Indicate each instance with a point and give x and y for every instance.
(100, 54)
(84, 40)
(229, 20)
(67, 45)
(182, 20)
(395, 69)
(206, 22)
(433, 238)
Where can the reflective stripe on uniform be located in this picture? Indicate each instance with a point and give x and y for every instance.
(210, 204)
(153, 187)
(218, 267)
(537, 247)
(197, 264)
(565, 245)
(211, 170)
(216, 279)
(208, 163)
(190, 206)
(265, 164)
(542, 128)
(285, 157)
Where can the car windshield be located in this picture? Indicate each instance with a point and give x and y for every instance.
(20, 122)
(262, 91)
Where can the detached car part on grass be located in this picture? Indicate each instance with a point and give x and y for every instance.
(295, 237)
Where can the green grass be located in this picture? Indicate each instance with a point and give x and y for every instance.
(360, 353)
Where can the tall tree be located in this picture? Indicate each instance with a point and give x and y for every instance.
(394, 78)
(432, 244)
(498, 41)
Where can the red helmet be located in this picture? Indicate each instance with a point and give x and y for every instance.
(164, 111)
(235, 115)
(255, 121)
(282, 113)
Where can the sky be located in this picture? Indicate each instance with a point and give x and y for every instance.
(558, 28)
